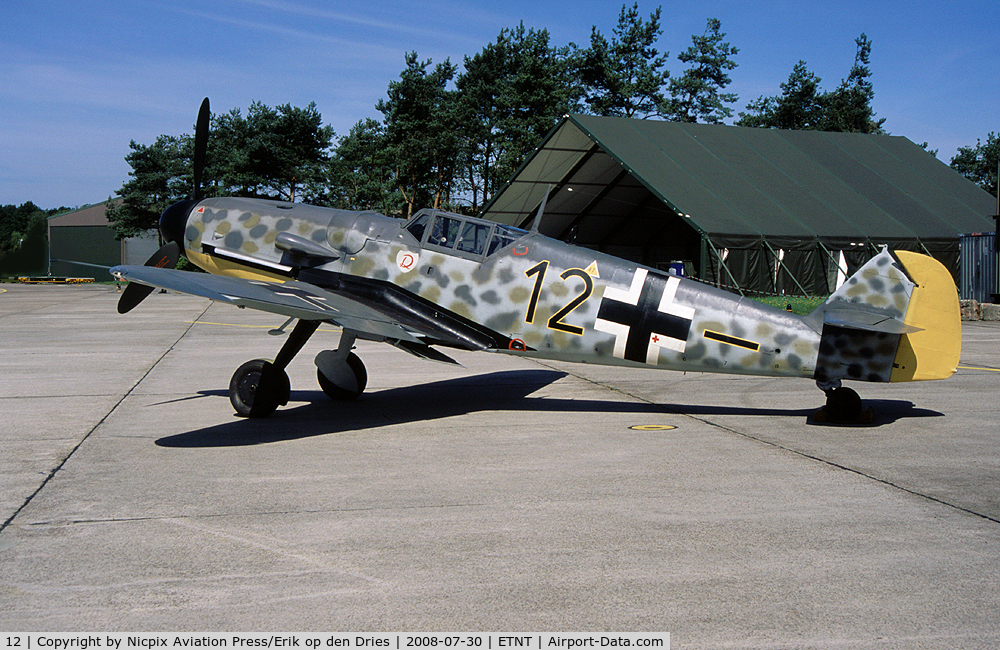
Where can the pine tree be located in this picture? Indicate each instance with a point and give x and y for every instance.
(802, 105)
(161, 175)
(849, 107)
(420, 115)
(361, 174)
(696, 95)
(511, 94)
(979, 163)
(625, 77)
(798, 107)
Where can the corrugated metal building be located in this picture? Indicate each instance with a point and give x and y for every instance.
(979, 266)
(82, 244)
(758, 210)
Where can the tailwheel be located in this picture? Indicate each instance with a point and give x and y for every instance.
(341, 379)
(258, 388)
(843, 405)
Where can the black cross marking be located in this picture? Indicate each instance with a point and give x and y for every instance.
(643, 323)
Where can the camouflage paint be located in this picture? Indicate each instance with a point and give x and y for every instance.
(562, 301)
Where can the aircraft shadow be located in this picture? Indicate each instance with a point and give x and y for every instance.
(886, 411)
(507, 391)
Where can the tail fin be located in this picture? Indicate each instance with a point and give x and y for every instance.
(875, 298)
(896, 319)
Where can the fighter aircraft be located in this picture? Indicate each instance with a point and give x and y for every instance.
(443, 280)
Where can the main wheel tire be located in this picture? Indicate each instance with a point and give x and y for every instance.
(843, 405)
(334, 392)
(246, 396)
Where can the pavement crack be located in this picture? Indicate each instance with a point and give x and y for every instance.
(55, 470)
(270, 513)
(884, 481)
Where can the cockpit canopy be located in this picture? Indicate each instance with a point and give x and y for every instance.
(459, 235)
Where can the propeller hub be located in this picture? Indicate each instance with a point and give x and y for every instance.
(173, 221)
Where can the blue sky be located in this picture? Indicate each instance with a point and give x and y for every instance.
(78, 81)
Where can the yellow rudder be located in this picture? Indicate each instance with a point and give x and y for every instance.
(932, 353)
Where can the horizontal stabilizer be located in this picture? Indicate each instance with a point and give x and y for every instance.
(877, 293)
(865, 320)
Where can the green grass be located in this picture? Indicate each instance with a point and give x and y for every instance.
(801, 305)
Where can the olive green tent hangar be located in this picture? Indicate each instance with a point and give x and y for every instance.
(760, 210)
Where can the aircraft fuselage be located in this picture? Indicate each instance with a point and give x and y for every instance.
(541, 297)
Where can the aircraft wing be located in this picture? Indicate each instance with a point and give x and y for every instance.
(372, 309)
(293, 299)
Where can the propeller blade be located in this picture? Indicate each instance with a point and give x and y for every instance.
(135, 293)
(173, 218)
(200, 147)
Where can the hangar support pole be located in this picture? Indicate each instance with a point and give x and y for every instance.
(871, 248)
(836, 262)
(787, 270)
(706, 241)
(703, 257)
(927, 252)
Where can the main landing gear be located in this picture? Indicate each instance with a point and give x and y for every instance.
(843, 405)
(259, 387)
